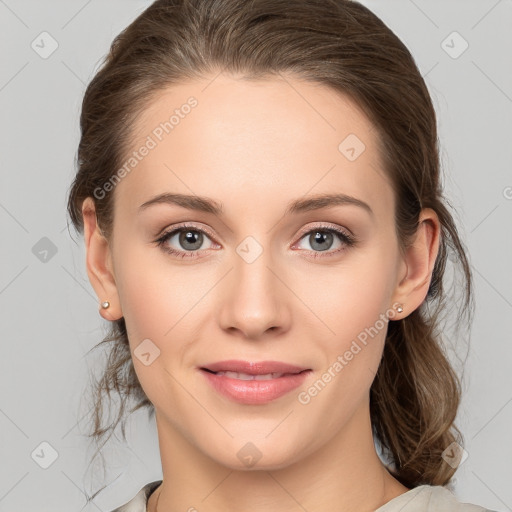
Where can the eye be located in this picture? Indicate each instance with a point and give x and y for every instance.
(323, 238)
(184, 241)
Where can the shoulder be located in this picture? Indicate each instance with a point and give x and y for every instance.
(139, 501)
(429, 498)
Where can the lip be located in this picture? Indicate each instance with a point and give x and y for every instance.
(253, 368)
(253, 392)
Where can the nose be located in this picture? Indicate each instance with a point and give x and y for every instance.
(254, 301)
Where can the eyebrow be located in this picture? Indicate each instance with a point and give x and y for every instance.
(208, 205)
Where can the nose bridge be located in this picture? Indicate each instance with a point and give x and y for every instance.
(253, 300)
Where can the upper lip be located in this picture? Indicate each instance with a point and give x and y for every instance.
(253, 368)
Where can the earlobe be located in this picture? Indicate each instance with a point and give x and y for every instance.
(419, 261)
(99, 264)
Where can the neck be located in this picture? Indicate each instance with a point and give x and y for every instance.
(344, 474)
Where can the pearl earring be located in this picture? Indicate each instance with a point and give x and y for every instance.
(399, 309)
(105, 305)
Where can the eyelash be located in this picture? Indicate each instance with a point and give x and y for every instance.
(347, 240)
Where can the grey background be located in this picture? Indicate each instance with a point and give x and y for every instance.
(49, 316)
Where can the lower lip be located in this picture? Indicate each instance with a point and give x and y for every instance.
(255, 391)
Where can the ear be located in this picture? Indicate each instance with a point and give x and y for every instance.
(418, 263)
(99, 263)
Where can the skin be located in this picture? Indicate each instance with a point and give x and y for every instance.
(255, 146)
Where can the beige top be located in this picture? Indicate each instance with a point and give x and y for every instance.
(424, 498)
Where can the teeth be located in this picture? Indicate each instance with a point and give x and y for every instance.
(247, 376)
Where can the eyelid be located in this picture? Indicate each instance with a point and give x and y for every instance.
(325, 225)
(185, 225)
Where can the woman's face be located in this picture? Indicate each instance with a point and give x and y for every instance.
(264, 278)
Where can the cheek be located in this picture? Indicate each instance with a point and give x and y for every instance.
(348, 305)
(150, 293)
(163, 302)
(155, 300)
(353, 335)
(346, 299)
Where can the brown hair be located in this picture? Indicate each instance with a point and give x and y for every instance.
(339, 43)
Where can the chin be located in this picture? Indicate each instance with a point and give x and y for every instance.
(254, 456)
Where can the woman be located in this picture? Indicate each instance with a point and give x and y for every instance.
(260, 197)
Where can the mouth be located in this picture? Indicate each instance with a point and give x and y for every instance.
(252, 376)
(254, 382)
(253, 367)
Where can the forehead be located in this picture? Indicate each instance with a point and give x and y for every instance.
(240, 140)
